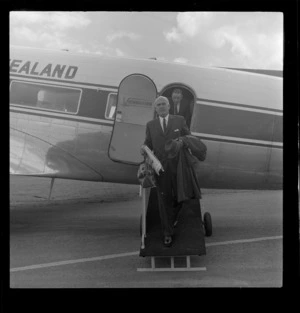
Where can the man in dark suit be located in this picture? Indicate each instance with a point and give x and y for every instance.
(159, 131)
(180, 106)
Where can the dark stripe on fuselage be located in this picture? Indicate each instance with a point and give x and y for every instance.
(103, 123)
(240, 105)
(117, 87)
(217, 123)
(225, 122)
(210, 119)
(92, 103)
(61, 117)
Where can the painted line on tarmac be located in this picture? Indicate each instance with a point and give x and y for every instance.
(99, 258)
(120, 255)
(233, 242)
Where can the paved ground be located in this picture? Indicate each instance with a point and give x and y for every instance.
(87, 236)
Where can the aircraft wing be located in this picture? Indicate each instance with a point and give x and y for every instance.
(30, 155)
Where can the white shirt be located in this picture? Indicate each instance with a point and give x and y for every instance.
(176, 108)
(161, 119)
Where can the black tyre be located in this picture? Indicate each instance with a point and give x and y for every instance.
(207, 224)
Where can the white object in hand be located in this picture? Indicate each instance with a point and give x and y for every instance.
(154, 162)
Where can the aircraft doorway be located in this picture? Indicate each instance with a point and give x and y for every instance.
(187, 102)
(134, 109)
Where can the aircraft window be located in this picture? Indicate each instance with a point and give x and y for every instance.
(47, 97)
(111, 106)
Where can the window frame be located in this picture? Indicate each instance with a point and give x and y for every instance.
(106, 108)
(47, 85)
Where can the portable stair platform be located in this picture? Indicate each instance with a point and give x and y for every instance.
(188, 239)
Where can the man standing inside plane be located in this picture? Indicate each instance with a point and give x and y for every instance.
(158, 131)
(180, 106)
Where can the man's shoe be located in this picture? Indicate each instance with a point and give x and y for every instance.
(167, 241)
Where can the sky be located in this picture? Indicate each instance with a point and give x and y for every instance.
(229, 39)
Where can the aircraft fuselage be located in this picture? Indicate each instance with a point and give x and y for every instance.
(237, 115)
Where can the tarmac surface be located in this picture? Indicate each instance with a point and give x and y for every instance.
(87, 236)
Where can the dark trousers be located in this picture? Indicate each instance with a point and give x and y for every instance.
(166, 184)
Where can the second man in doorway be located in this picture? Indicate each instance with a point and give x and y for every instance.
(181, 106)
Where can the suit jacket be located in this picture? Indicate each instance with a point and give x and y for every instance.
(184, 110)
(156, 138)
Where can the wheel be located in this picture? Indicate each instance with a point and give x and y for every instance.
(207, 224)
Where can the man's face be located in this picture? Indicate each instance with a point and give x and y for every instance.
(162, 109)
(176, 96)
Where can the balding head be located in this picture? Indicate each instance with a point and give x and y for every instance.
(161, 99)
(162, 106)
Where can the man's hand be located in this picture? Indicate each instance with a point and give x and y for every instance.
(183, 144)
(143, 152)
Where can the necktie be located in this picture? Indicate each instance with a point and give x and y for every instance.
(164, 124)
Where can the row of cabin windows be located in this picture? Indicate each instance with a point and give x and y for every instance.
(54, 98)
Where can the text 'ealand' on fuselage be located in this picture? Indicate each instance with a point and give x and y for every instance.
(35, 68)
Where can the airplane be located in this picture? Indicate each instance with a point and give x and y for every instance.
(83, 116)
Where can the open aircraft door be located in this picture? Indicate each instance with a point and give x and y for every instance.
(134, 109)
